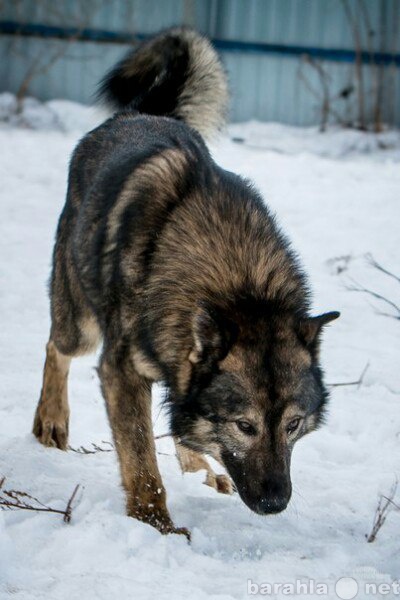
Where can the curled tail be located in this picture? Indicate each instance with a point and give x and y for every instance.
(176, 74)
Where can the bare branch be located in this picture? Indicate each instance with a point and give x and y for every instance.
(378, 266)
(96, 448)
(68, 510)
(164, 435)
(377, 70)
(391, 502)
(50, 53)
(15, 499)
(355, 28)
(358, 288)
(385, 504)
(324, 97)
(358, 382)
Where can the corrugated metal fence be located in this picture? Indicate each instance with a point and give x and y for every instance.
(294, 61)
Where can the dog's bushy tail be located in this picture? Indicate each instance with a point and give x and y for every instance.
(177, 74)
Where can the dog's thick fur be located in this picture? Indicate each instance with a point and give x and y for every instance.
(178, 266)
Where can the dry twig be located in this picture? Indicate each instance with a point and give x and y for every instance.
(68, 510)
(356, 287)
(359, 288)
(52, 51)
(385, 504)
(358, 382)
(356, 31)
(96, 448)
(15, 499)
(371, 260)
(164, 435)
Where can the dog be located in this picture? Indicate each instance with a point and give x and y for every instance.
(180, 270)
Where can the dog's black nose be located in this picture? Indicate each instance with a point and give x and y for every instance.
(272, 505)
(275, 495)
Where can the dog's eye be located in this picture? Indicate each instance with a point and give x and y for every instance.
(246, 427)
(293, 425)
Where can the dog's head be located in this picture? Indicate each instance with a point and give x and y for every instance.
(255, 390)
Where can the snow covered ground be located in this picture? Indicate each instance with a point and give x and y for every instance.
(338, 198)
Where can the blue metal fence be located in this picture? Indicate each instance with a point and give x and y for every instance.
(282, 56)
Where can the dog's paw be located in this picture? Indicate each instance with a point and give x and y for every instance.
(223, 484)
(177, 530)
(51, 432)
(155, 515)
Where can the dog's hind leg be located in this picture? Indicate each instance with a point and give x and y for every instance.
(191, 462)
(74, 331)
(52, 414)
(51, 421)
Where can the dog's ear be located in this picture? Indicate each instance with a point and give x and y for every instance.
(213, 335)
(310, 328)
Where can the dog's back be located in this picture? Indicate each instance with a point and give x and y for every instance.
(151, 192)
(166, 94)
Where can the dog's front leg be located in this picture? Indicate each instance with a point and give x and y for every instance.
(128, 399)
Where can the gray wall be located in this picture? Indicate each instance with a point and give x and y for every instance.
(264, 86)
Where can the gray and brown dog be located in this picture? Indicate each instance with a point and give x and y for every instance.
(179, 268)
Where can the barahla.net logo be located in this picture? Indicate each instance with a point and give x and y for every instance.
(364, 583)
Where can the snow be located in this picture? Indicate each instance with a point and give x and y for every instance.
(336, 142)
(61, 115)
(337, 205)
